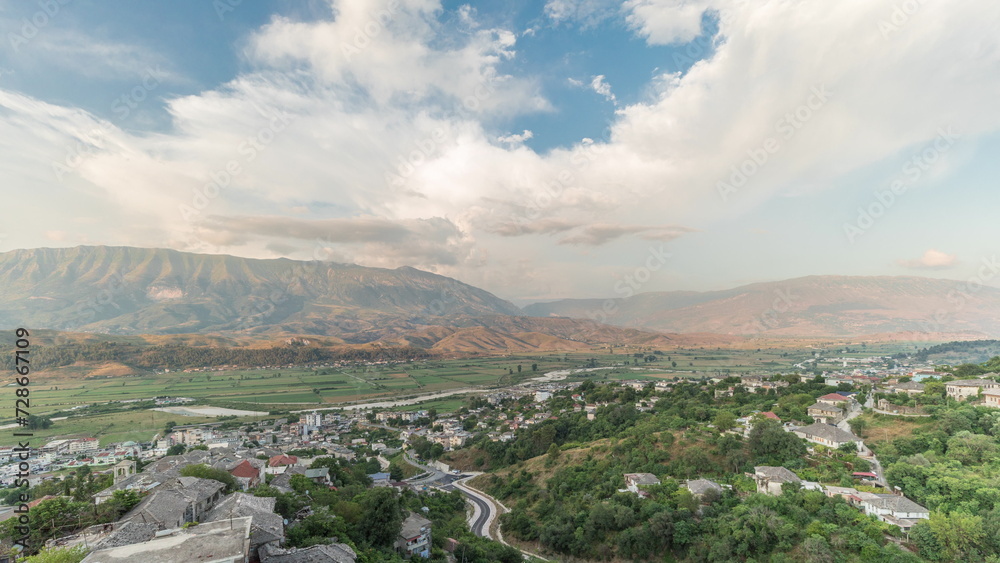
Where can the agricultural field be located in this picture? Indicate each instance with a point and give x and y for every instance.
(139, 425)
(303, 388)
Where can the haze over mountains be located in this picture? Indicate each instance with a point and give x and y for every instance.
(125, 290)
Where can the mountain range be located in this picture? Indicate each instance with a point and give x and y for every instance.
(127, 290)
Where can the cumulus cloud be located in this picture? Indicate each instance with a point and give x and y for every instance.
(388, 132)
(931, 260)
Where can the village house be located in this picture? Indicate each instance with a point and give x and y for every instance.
(962, 389)
(414, 538)
(701, 487)
(173, 504)
(991, 398)
(834, 399)
(227, 541)
(893, 509)
(826, 434)
(769, 479)
(825, 413)
(910, 388)
(635, 480)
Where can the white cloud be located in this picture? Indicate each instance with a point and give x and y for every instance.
(931, 260)
(664, 22)
(514, 139)
(586, 13)
(601, 86)
(380, 126)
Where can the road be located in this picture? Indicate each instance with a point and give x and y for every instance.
(396, 402)
(482, 516)
(844, 425)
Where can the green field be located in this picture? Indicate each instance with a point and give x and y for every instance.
(302, 388)
(115, 427)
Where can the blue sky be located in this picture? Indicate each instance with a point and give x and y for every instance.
(536, 149)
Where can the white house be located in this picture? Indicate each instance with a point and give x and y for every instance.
(635, 480)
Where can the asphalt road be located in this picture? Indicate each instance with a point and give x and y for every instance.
(485, 511)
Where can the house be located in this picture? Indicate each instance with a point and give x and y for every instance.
(173, 504)
(826, 434)
(771, 415)
(833, 399)
(991, 398)
(320, 476)
(380, 479)
(227, 541)
(769, 479)
(701, 487)
(415, 536)
(265, 526)
(283, 481)
(825, 413)
(246, 474)
(325, 553)
(909, 387)
(893, 509)
(850, 494)
(282, 460)
(962, 389)
(635, 480)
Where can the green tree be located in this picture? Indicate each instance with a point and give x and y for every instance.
(724, 420)
(59, 555)
(383, 516)
(205, 472)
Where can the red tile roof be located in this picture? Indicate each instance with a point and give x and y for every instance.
(282, 459)
(245, 470)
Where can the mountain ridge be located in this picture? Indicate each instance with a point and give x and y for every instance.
(817, 305)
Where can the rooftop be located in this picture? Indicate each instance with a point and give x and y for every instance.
(215, 542)
(777, 474)
(827, 432)
(412, 525)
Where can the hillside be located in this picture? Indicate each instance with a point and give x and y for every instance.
(806, 307)
(123, 290)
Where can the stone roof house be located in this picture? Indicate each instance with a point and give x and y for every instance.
(769, 479)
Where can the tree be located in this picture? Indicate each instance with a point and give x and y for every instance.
(769, 444)
(383, 516)
(205, 472)
(176, 449)
(724, 420)
(534, 367)
(59, 555)
(858, 426)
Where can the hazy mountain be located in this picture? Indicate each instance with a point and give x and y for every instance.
(124, 290)
(808, 306)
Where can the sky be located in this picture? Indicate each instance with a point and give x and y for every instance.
(539, 150)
